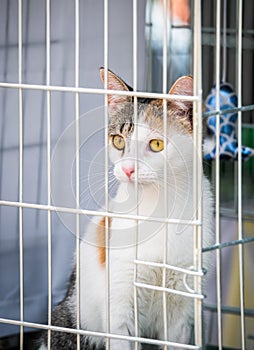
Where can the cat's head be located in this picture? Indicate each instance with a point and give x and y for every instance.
(152, 145)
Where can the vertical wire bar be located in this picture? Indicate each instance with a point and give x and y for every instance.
(4, 104)
(165, 228)
(49, 168)
(197, 169)
(77, 169)
(239, 136)
(191, 24)
(107, 277)
(134, 15)
(217, 173)
(224, 43)
(169, 40)
(149, 72)
(21, 260)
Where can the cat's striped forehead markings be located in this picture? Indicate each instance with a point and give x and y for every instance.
(122, 122)
(155, 114)
(101, 240)
(126, 128)
(150, 112)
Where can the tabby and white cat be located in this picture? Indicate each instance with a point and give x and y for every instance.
(151, 147)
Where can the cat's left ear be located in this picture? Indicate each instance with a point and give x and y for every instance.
(115, 83)
(183, 86)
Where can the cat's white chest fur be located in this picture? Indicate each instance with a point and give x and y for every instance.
(149, 236)
(145, 202)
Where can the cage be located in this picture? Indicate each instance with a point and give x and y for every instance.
(53, 128)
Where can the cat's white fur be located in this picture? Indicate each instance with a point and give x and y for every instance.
(150, 245)
(159, 192)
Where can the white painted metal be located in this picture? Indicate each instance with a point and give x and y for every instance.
(239, 137)
(49, 168)
(77, 139)
(197, 169)
(217, 171)
(21, 257)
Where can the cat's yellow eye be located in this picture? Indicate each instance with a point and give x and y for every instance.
(156, 145)
(118, 142)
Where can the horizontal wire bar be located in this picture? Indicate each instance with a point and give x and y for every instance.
(97, 213)
(211, 30)
(98, 334)
(44, 144)
(232, 214)
(169, 290)
(98, 91)
(172, 26)
(169, 267)
(208, 30)
(233, 310)
(229, 110)
(228, 244)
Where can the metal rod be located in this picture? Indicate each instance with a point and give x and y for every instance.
(106, 155)
(169, 267)
(230, 310)
(83, 90)
(135, 71)
(230, 110)
(197, 170)
(228, 244)
(21, 258)
(231, 31)
(165, 226)
(224, 44)
(99, 334)
(169, 39)
(77, 146)
(99, 213)
(240, 197)
(195, 296)
(217, 173)
(49, 169)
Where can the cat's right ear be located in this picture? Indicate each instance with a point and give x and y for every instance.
(115, 83)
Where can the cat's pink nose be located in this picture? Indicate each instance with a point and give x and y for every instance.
(128, 171)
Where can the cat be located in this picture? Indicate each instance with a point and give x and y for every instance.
(139, 166)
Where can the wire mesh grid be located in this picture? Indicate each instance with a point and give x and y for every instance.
(50, 208)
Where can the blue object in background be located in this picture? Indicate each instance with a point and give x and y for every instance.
(228, 140)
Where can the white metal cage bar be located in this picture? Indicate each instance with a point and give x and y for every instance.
(97, 213)
(77, 180)
(239, 178)
(217, 171)
(165, 228)
(48, 17)
(83, 90)
(135, 117)
(21, 258)
(100, 334)
(106, 157)
(197, 170)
